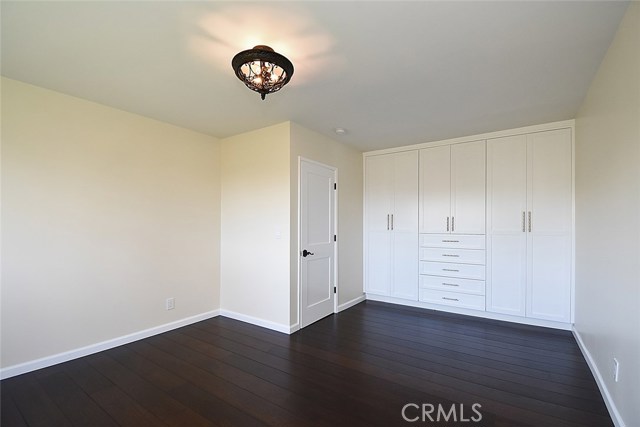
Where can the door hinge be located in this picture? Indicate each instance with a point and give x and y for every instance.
(335, 186)
(335, 238)
(335, 290)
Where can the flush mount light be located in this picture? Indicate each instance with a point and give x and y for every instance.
(262, 70)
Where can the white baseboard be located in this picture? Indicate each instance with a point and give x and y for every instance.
(608, 400)
(23, 368)
(279, 327)
(349, 304)
(470, 312)
(293, 328)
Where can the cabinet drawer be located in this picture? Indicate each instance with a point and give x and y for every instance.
(475, 302)
(459, 241)
(465, 271)
(463, 256)
(452, 284)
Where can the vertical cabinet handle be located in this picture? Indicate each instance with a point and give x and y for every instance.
(392, 221)
(529, 221)
(523, 223)
(452, 223)
(387, 221)
(447, 223)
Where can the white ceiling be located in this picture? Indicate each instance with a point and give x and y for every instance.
(390, 73)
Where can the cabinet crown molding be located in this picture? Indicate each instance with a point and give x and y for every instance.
(564, 124)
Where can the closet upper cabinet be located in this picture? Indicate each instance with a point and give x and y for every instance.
(452, 188)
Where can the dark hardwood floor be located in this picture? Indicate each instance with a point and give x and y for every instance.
(357, 368)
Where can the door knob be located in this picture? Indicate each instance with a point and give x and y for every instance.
(306, 253)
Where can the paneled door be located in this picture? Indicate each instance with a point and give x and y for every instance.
(317, 246)
(379, 201)
(452, 189)
(549, 218)
(468, 192)
(529, 219)
(391, 222)
(506, 223)
(435, 190)
(404, 226)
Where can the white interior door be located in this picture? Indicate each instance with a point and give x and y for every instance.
(317, 229)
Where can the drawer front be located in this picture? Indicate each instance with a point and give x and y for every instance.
(463, 256)
(475, 302)
(465, 271)
(452, 284)
(459, 241)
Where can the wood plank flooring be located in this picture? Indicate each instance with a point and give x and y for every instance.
(357, 368)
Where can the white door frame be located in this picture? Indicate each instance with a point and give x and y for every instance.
(335, 246)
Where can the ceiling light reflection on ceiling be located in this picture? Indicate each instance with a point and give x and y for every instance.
(290, 30)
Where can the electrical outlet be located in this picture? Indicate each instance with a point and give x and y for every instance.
(171, 303)
(616, 370)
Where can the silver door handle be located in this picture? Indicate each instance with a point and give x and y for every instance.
(529, 221)
(452, 223)
(450, 299)
(449, 284)
(392, 221)
(455, 256)
(523, 223)
(387, 221)
(448, 269)
(447, 223)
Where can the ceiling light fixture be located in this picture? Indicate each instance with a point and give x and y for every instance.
(262, 70)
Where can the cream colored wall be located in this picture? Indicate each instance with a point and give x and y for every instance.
(255, 225)
(348, 161)
(105, 214)
(608, 218)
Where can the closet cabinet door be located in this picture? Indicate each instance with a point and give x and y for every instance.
(379, 192)
(378, 206)
(529, 205)
(391, 211)
(468, 176)
(506, 223)
(549, 242)
(404, 226)
(435, 189)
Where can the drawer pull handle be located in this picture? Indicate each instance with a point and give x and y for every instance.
(455, 256)
(450, 241)
(451, 299)
(449, 269)
(449, 284)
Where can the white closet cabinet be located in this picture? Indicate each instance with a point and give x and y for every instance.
(529, 217)
(452, 189)
(391, 224)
